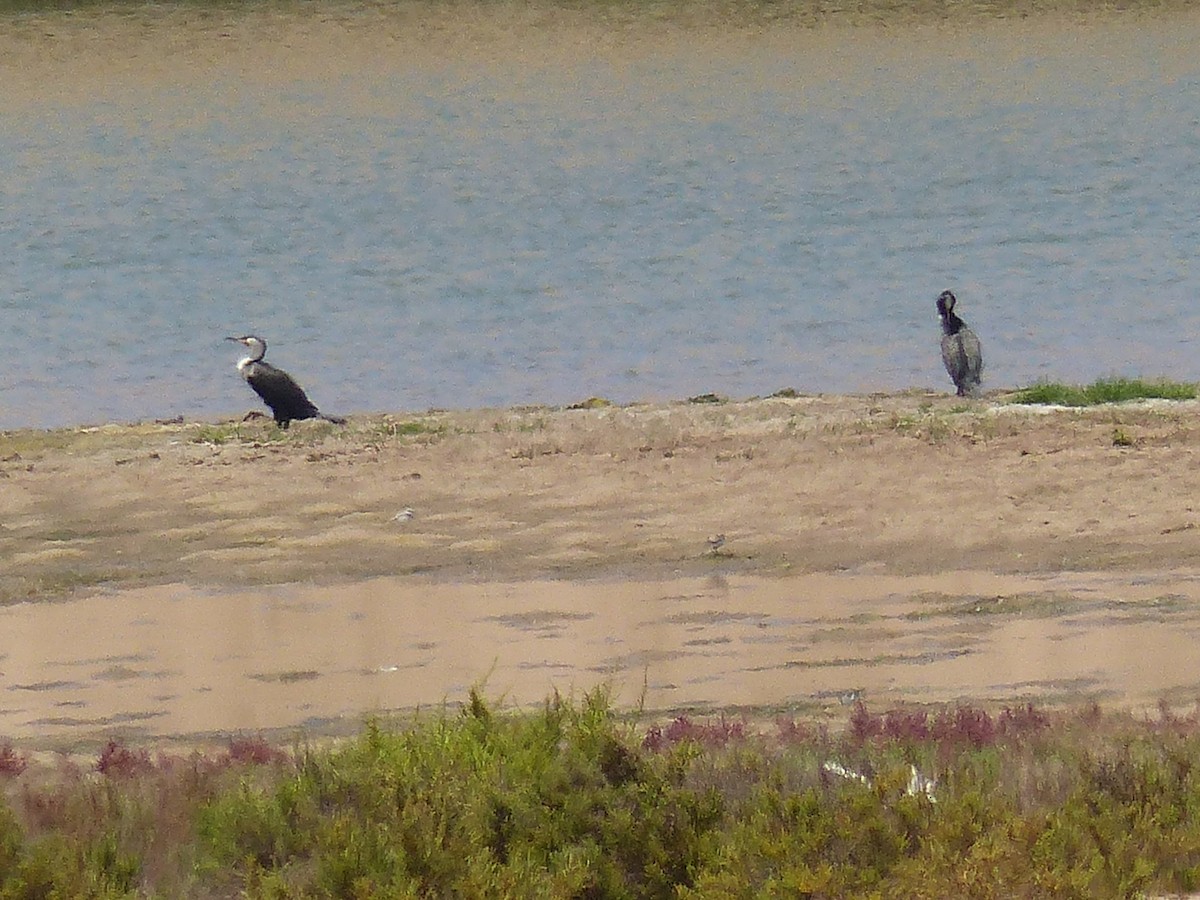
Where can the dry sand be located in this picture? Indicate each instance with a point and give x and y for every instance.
(180, 580)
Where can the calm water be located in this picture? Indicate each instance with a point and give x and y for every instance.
(538, 222)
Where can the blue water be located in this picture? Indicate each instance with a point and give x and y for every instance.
(642, 224)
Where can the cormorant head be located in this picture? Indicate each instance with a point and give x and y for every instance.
(256, 345)
(945, 304)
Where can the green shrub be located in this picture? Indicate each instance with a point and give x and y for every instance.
(563, 802)
(567, 801)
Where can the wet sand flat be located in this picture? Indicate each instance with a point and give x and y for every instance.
(191, 579)
(171, 660)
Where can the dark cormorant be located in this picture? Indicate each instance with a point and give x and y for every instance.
(277, 388)
(960, 348)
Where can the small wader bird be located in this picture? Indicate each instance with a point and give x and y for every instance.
(960, 348)
(276, 387)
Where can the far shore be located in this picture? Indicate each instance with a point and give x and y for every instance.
(67, 52)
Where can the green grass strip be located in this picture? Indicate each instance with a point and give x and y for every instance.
(1104, 390)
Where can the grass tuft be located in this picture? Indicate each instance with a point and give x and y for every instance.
(1104, 390)
(223, 433)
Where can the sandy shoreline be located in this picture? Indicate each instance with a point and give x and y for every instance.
(197, 578)
(905, 483)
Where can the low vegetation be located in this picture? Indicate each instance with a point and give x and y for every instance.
(1105, 390)
(572, 801)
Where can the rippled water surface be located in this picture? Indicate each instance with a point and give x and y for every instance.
(472, 213)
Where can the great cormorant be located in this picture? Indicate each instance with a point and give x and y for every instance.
(960, 348)
(277, 388)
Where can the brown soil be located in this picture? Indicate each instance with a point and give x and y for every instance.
(183, 579)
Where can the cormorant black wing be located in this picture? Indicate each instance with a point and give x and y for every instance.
(280, 392)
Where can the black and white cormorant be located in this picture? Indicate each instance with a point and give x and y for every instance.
(277, 388)
(960, 348)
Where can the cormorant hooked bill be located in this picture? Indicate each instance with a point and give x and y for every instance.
(276, 387)
(960, 348)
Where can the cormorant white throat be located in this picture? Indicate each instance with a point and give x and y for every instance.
(276, 387)
(960, 348)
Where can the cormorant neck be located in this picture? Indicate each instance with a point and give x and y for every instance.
(258, 349)
(951, 324)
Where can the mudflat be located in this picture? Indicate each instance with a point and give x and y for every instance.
(176, 580)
